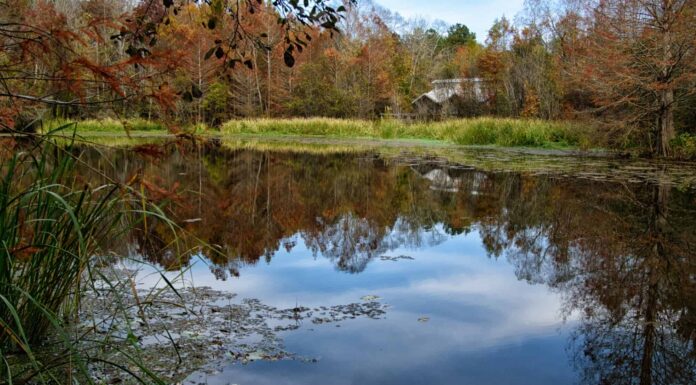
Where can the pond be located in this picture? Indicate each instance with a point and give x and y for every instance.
(412, 266)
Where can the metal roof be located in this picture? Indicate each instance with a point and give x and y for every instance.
(445, 89)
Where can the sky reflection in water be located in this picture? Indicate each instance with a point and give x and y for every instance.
(484, 325)
(516, 278)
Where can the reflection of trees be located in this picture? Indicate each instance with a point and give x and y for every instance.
(625, 262)
(246, 205)
(350, 241)
(622, 256)
(637, 313)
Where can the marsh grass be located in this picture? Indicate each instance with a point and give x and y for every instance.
(472, 131)
(106, 125)
(475, 131)
(52, 227)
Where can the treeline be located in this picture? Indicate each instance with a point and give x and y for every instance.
(627, 66)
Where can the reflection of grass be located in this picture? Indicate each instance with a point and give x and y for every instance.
(295, 147)
(478, 131)
(135, 139)
(594, 165)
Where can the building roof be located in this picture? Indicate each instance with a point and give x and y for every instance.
(442, 94)
(445, 89)
(456, 81)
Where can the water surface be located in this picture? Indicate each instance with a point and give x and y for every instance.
(419, 268)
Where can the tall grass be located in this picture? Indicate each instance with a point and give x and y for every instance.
(475, 131)
(48, 231)
(107, 125)
(52, 225)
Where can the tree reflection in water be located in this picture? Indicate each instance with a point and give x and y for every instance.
(621, 255)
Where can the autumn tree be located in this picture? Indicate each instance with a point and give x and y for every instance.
(641, 64)
(46, 60)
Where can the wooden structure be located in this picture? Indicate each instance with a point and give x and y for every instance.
(450, 96)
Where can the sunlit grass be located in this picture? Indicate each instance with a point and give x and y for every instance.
(106, 125)
(475, 131)
(502, 132)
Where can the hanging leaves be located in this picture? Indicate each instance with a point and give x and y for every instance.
(288, 58)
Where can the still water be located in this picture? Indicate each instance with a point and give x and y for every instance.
(372, 267)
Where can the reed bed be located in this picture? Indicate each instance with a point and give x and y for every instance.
(474, 131)
(52, 227)
(502, 132)
(106, 125)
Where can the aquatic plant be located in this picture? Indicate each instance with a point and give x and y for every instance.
(52, 226)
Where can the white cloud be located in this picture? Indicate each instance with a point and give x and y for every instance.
(478, 15)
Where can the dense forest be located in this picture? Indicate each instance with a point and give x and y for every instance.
(626, 66)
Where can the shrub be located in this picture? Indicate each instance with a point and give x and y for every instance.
(685, 146)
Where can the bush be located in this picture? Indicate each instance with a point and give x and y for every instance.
(684, 146)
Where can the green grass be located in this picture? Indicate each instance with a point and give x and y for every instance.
(107, 125)
(475, 131)
(52, 225)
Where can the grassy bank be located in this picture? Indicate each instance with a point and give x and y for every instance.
(475, 131)
(106, 125)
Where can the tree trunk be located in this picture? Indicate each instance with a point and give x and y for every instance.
(657, 233)
(665, 129)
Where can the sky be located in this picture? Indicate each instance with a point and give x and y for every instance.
(478, 15)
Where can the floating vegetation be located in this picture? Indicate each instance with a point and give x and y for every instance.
(397, 258)
(179, 331)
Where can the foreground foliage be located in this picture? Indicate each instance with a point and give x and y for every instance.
(52, 225)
